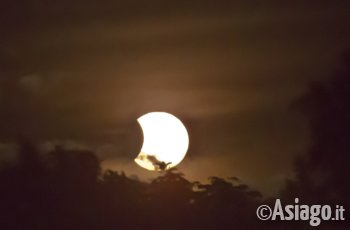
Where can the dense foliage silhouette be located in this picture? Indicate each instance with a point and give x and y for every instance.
(322, 174)
(66, 189)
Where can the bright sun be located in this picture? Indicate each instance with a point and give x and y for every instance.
(165, 141)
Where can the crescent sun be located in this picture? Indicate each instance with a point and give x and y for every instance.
(165, 141)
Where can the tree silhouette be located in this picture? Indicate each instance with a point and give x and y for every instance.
(66, 189)
(322, 175)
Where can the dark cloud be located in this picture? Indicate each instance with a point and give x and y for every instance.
(85, 72)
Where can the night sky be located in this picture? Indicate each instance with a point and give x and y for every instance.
(79, 73)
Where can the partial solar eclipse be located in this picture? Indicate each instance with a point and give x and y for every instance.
(165, 141)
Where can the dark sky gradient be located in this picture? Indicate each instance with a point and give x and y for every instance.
(81, 73)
